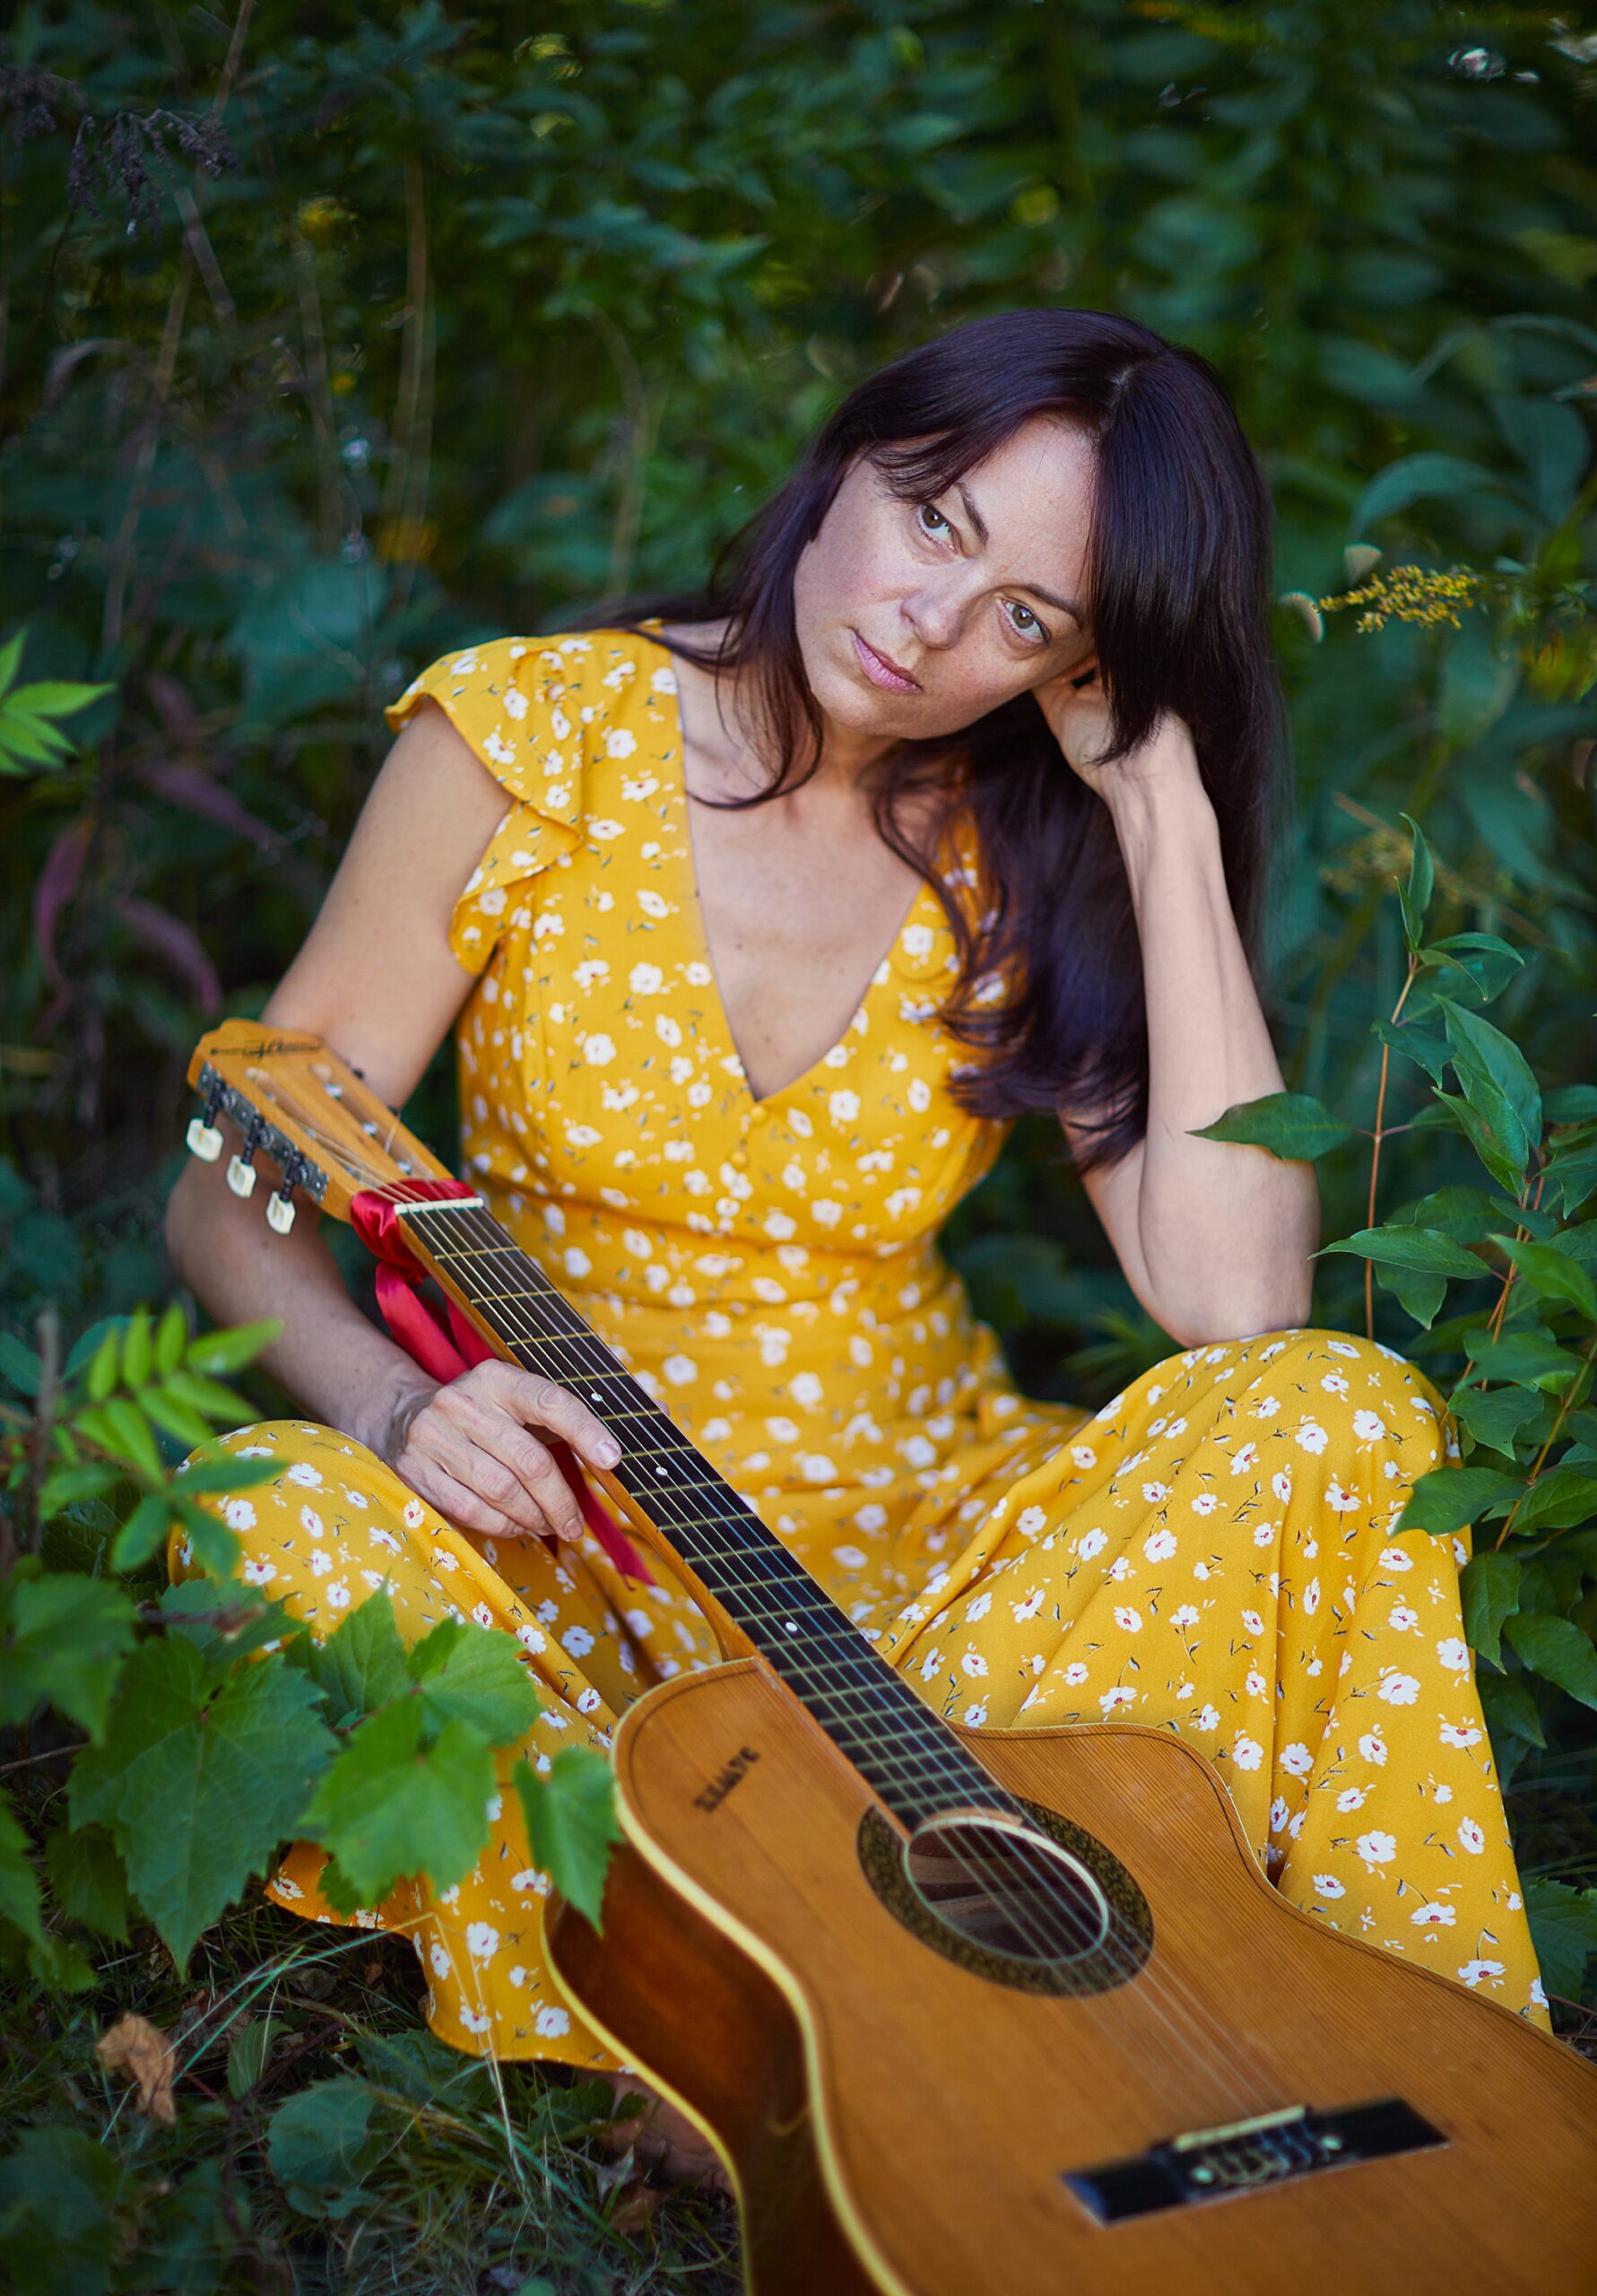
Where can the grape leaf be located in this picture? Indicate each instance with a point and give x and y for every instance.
(388, 1808)
(69, 1635)
(19, 1901)
(474, 1674)
(362, 1666)
(200, 1781)
(88, 1879)
(571, 1822)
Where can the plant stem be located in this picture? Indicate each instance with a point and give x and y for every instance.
(1541, 1459)
(1375, 1154)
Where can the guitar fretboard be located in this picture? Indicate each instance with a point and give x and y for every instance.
(907, 1755)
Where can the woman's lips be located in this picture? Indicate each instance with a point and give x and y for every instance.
(882, 672)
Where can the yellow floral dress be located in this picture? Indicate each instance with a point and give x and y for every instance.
(1211, 1552)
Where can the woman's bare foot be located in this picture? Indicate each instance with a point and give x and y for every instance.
(665, 2140)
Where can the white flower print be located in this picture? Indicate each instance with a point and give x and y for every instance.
(1373, 1747)
(1377, 1848)
(1159, 1546)
(476, 2021)
(1454, 1655)
(238, 1514)
(1473, 1971)
(1281, 1484)
(1205, 1502)
(1369, 1426)
(1297, 1760)
(1091, 1542)
(259, 1571)
(1207, 1719)
(1128, 1620)
(1352, 1797)
(308, 1478)
(441, 1963)
(1326, 1885)
(577, 1641)
(1154, 1492)
(1434, 1917)
(551, 2022)
(1113, 1699)
(1075, 1673)
(1459, 1734)
(1398, 1690)
(338, 1595)
(1247, 1753)
(413, 1515)
(1184, 1614)
(1470, 1836)
(482, 1941)
(1311, 1437)
(321, 1562)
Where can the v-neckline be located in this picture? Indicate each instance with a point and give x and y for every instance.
(683, 801)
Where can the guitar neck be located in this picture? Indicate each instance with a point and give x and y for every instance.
(910, 1758)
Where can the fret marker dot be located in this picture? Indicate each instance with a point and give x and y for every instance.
(788, 1623)
(660, 1472)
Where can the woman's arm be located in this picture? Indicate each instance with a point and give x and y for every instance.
(377, 979)
(1214, 1238)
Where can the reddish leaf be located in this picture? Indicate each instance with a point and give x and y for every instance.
(191, 788)
(177, 943)
(174, 708)
(57, 883)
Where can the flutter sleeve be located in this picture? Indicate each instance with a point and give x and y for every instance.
(517, 701)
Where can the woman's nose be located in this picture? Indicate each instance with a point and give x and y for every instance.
(935, 614)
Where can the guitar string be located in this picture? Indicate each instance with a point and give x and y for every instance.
(916, 1774)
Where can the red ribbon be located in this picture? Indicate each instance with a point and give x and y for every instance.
(445, 1346)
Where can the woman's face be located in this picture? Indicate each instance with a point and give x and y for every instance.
(975, 597)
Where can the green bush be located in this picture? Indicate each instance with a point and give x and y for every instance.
(326, 349)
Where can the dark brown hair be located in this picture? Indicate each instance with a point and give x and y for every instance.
(1179, 580)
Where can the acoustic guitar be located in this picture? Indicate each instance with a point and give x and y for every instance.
(1006, 2010)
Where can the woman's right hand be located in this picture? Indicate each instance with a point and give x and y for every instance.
(471, 1449)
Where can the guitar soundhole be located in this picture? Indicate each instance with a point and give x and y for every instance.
(1047, 1910)
(1008, 1891)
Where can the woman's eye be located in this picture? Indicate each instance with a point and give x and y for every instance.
(1031, 627)
(930, 509)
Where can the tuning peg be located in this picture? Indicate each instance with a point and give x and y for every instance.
(241, 1174)
(204, 1141)
(280, 1205)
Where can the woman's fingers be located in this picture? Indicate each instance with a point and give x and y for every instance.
(475, 1432)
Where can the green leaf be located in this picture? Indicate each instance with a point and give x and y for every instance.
(1564, 1931)
(21, 1903)
(54, 697)
(1415, 478)
(1466, 968)
(1560, 1499)
(1424, 1046)
(142, 1533)
(1293, 1125)
(221, 1352)
(59, 2193)
(200, 1782)
(1510, 1710)
(70, 1486)
(1572, 1177)
(477, 1675)
(1493, 1152)
(362, 1666)
(106, 1368)
(1494, 1416)
(1572, 1104)
(208, 1397)
(138, 1349)
(224, 1472)
(120, 1429)
(387, 1809)
(1426, 1250)
(69, 1635)
(171, 1340)
(19, 1366)
(11, 658)
(571, 1822)
(1449, 1498)
(1490, 1584)
(1497, 1080)
(320, 2145)
(1528, 1359)
(1555, 1649)
(1552, 1274)
(248, 2055)
(1419, 1296)
(1415, 896)
(174, 1418)
(88, 1879)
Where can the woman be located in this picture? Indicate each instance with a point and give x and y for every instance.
(758, 917)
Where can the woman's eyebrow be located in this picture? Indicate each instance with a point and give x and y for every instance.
(1049, 597)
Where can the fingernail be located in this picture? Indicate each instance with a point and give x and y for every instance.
(607, 1450)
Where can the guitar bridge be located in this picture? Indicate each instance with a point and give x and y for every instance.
(1249, 2156)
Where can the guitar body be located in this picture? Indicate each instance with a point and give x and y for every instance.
(896, 2118)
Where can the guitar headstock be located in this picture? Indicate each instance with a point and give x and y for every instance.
(304, 1110)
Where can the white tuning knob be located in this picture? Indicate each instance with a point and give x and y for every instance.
(204, 1141)
(241, 1177)
(280, 1213)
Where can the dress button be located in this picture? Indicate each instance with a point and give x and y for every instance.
(739, 1158)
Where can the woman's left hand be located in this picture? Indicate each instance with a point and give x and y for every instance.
(1078, 715)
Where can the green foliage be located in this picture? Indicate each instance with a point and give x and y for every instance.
(339, 350)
